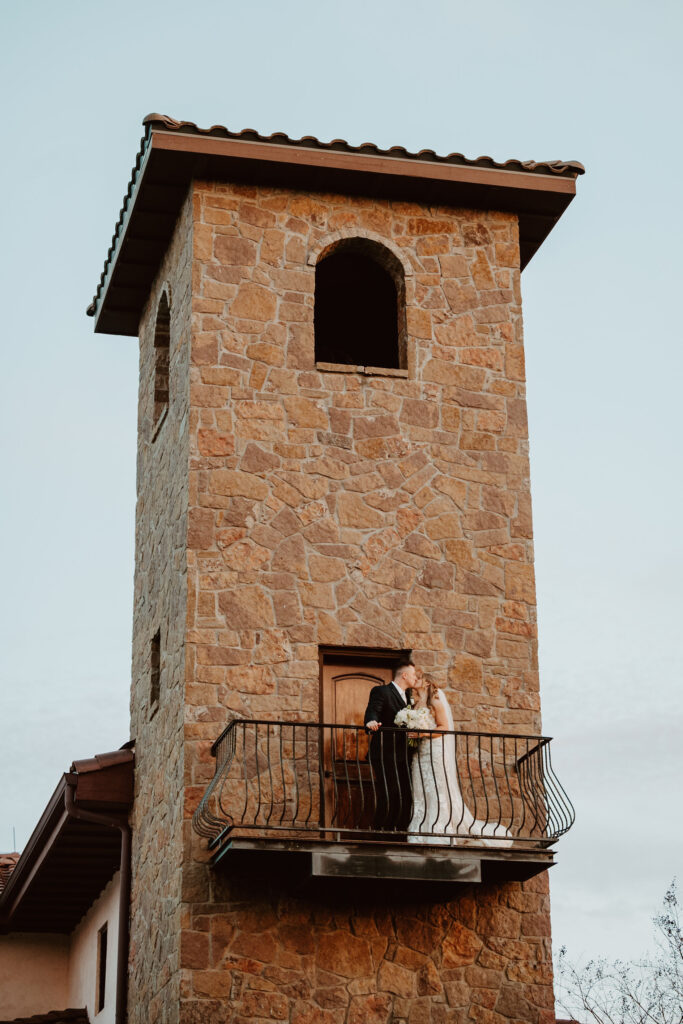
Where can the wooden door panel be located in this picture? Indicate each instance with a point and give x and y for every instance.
(349, 796)
(346, 690)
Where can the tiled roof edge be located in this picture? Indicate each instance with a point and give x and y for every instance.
(8, 862)
(99, 761)
(144, 142)
(566, 168)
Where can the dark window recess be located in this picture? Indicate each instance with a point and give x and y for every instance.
(101, 994)
(162, 337)
(360, 306)
(155, 671)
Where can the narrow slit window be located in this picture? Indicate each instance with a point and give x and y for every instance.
(359, 315)
(155, 672)
(101, 991)
(162, 338)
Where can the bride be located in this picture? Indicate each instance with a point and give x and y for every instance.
(438, 805)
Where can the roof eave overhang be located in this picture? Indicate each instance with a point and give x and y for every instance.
(170, 160)
(66, 862)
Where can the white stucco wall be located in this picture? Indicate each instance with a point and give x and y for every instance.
(33, 974)
(82, 973)
(42, 972)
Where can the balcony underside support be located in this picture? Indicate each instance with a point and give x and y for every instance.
(306, 861)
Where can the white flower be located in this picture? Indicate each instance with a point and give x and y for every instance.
(414, 718)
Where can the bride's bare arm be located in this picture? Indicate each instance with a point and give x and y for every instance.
(440, 711)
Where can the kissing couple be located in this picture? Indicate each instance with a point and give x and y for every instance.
(417, 788)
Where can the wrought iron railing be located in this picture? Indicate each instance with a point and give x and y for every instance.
(298, 779)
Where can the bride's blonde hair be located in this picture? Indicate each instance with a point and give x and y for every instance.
(424, 697)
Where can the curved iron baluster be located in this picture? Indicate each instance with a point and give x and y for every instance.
(394, 740)
(270, 775)
(459, 781)
(535, 774)
(433, 825)
(483, 779)
(507, 783)
(204, 821)
(519, 761)
(449, 823)
(374, 787)
(495, 786)
(309, 774)
(559, 794)
(335, 788)
(296, 776)
(321, 773)
(346, 775)
(423, 820)
(472, 789)
(384, 777)
(246, 776)
(359, 776)
(524, 768)
(282, 773)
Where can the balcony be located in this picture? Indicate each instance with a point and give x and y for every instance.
(441, 807)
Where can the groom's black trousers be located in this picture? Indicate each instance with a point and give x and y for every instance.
(389, 758)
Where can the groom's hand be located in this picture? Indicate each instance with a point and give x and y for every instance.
(372, 726)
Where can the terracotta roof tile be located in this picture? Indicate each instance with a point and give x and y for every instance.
(7, 864)
(569, 168)
(93, 764)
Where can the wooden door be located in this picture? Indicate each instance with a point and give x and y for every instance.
(349, 794)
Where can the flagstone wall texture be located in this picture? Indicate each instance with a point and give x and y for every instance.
(160, 604)
(300, 508)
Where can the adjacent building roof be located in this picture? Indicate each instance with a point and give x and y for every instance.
(172, 153)
(7, 864)
(67, 861)
(53, 1017)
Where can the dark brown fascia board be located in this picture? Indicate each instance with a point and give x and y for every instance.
(36, 850)
(186, 154)
(364, 162)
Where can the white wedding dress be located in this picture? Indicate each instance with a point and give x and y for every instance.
(438, 806)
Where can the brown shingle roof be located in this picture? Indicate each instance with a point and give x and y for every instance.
(172, 153)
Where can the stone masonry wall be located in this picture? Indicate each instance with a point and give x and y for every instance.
(384, 510)
(160, 603)
(261, 954)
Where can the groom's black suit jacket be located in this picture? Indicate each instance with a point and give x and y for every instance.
(383, 705)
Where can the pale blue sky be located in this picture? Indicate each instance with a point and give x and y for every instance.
(595, 81)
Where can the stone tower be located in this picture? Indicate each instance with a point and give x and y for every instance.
(325, 484)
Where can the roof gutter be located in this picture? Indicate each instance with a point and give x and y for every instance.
(121, 823)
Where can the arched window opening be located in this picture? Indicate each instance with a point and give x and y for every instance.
(360, 306)
(162, 337)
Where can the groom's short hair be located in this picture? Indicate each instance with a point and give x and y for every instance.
(403, 663)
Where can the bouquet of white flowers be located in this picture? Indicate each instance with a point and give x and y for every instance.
(414, 718)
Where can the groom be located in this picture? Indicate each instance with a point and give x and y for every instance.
(389, 751)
